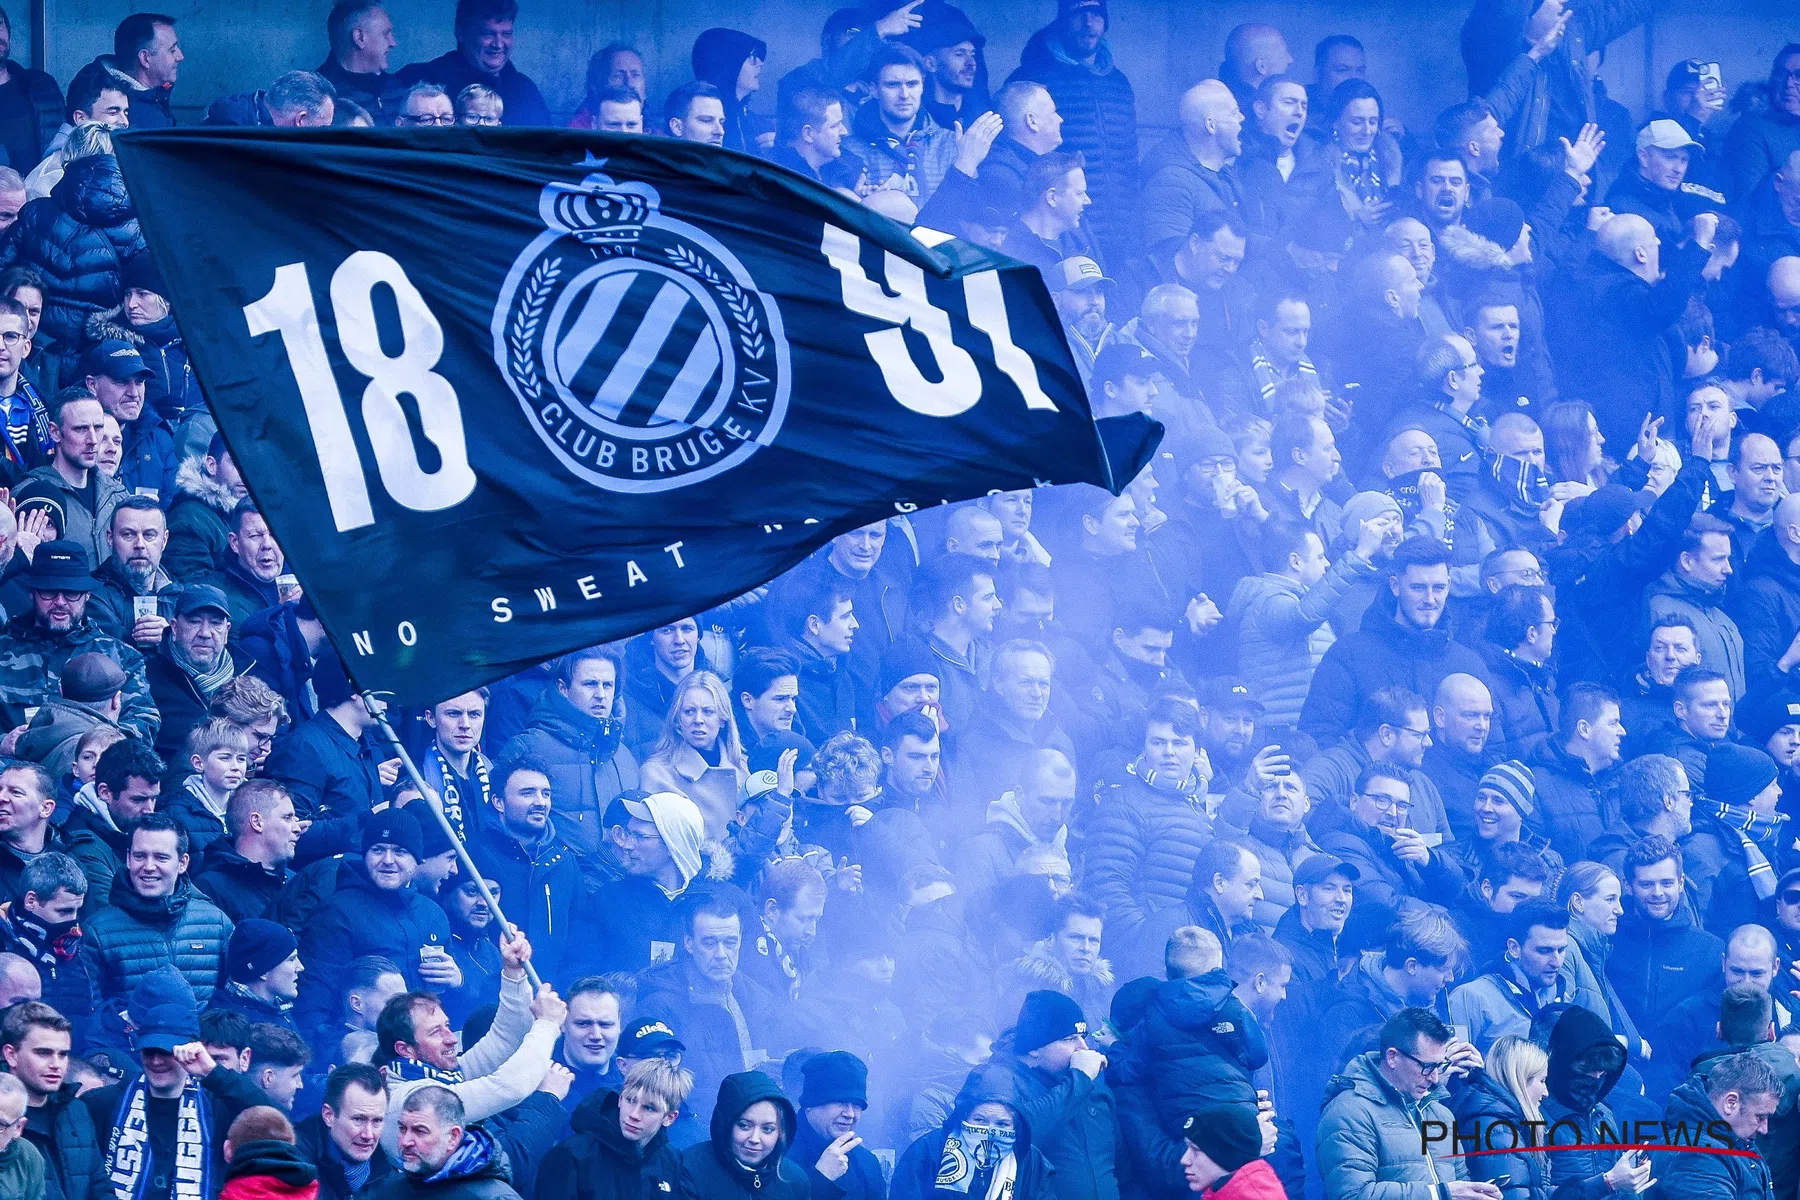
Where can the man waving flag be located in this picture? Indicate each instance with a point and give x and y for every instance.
(503, 393)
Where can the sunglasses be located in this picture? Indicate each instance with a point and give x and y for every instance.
(1791, 896)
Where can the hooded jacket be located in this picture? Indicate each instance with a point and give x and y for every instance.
(917, 162)
(198, 522)
(1099, 112)
(1201, 1046)
(269, 1170)
(1484, 1105)
(1716, 635)
(917, 1171)
(1368, 1139)
(1141, 847)
(598, 1162)
(719, 55)
(1383, 653)
(542, 884)
(78, 237)
(54, 730)
(710, 1171)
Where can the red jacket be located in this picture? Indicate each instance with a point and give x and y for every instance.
(267, 1187)
(1256, 1181)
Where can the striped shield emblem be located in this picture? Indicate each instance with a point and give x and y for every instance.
(640, 347)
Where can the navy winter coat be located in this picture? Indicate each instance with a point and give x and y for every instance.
(77, 238)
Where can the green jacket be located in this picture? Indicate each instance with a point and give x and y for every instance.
(43, 487)
(1368, 1139)
(31, 664)
(21, 1171)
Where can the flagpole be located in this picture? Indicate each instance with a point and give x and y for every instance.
(378, 710)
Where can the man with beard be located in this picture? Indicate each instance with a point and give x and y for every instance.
(951, 47)
(249, 573)
(1081, 291)
(1442, 190)
(138, 534)
(1324, 889)
(37, 644)
(1660, 955)
(516, 846)
(437, 1142)
(188, 669)
(1228, 714)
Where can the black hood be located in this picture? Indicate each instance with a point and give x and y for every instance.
(1576, 1032)
(992, 1081)
(737, 1093)
(719, 54)
(281, 1160)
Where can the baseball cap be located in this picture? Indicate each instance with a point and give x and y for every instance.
(1120, 359)
(649, 1038)
(1078, 271)
(197, 596)
(1228, 691)
(1665, 134)
(1314, 868)
(116, 359)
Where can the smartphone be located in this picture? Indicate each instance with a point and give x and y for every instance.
(1432, 840)
(143, 606)
(1500, 1181)
(1459, 1033)
(1711, 78)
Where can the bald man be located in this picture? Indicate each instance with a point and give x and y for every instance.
(1784, 297)
(1607, 320)
(19, 981)
(1462, 721)
(1253, 53)
(1692, 1028)
(974, 531)
(1194, 169)
(1766, 605)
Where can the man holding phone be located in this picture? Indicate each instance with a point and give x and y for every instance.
(1694, 97)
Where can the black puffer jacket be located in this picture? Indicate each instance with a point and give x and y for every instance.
(1099, 112)
(361, 918)
(710, 1171)
(1709, 1176)
(599, 1163)
(74, 1152)
(77, 238)
(1484, 1104)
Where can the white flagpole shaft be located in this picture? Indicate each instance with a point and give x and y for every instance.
(462, 852)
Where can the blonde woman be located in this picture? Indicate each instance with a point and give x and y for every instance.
(699, 753)
(1500, 1101)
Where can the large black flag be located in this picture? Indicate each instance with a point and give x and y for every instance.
(503, 393)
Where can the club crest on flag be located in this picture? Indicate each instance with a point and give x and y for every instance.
(643, 352)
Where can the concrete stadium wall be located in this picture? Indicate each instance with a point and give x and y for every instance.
(1165, 45)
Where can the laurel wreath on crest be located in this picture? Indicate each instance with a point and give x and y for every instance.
(523, 334)
(737, 300)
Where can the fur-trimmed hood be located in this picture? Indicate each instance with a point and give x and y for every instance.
(1471, 251)
(718, 864)
(111, 323)
(192, 480)
(1038, 966)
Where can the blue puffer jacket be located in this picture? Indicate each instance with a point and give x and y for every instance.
(1483, 1105)
(1141, 849)
(77, 238)
(132, 936)
(1201, 1045)
(587, 762)
(1099, 112)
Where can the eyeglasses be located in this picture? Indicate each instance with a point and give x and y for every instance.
(480, 119)
(1424, 735)
(1388, 803)
(11, 337)
(1428, 1069)
(427, 119)
(59, 595)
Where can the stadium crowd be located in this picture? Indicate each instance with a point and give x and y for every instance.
(1405, 763)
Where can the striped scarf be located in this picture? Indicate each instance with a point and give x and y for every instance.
(128, 1153)
(1754, 830)
(1269, 377)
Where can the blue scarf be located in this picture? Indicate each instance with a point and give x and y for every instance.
(128, 1152)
